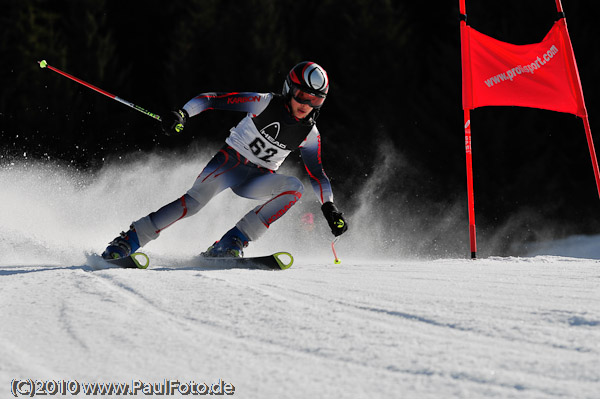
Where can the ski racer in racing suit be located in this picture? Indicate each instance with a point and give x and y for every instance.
(274, 126)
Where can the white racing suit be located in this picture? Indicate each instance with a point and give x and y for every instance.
(247, 163)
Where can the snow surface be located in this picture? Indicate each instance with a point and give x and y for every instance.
(380, 325)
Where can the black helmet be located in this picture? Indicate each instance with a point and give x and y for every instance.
(307, 83)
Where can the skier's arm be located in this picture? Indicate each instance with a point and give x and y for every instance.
(250, 102)
(311, 155)
(310, 150)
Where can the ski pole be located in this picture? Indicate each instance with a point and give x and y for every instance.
(44, 64)
(337, 260)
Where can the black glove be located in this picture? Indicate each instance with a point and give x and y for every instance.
(173, 122)
(335, 219)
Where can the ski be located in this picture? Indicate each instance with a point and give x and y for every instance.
(276, 261)
(136, 260)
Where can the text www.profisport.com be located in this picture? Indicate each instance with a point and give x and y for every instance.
(512, 73)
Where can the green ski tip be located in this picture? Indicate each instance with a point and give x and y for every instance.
(138, 258)
(43, 63)
(282, 257)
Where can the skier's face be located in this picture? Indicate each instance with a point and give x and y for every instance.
(300, 111)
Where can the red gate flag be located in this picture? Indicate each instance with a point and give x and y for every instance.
(541, 75)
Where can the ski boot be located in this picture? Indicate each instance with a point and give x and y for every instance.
(122, 246)
(231, 245)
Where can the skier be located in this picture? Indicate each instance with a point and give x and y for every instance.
(274, 126)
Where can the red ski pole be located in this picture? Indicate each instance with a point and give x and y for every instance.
(337, 260)
(44, 64)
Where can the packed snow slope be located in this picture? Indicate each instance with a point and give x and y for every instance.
(380, 325)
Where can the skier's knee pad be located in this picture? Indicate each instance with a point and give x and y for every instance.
(192, 205)
(293, 184)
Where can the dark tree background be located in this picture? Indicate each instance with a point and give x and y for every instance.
(395, 78)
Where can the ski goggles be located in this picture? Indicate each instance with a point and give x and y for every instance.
(306, 98)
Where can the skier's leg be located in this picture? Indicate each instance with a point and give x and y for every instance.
(149, 227)
(281, 193)
(220, 173)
